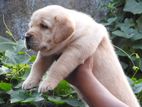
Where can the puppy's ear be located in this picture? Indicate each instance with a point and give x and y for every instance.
(64, 27)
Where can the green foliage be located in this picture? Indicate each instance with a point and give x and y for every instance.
(5, 86)
(133, 6)
(124, 22)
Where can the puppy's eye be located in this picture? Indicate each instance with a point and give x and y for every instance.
(44, 26)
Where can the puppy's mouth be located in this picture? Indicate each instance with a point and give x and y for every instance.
(46, 48)
(32, 45)
(28, 46)
(37, 47)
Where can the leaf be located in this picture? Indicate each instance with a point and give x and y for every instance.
(5, 86)
(11, 56)
(6, 44)
(63, 88)
(32, 58)
(4, 70)
(129, 22)
(110, 21)
(135, 68)
(127, 30)
(133, 6)
(9, 33)
(19, 45)
(24, 96)
(3, 39)
(56, 100)
(137, 88)
(74, 102)
(69, 101)
(120, 34)
(15, 58)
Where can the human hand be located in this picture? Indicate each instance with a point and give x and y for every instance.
(80, 71)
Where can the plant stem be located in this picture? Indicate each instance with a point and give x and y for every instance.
(125, 54)
(9, 32)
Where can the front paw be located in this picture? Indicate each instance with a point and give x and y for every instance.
(30, 83)
(46, 85)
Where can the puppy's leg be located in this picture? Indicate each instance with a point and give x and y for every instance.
(39, 67)
(73, 56)
(67, 62)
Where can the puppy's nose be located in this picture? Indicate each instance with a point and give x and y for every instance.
(28, 36)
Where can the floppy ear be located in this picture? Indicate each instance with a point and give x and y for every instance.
(64, 27)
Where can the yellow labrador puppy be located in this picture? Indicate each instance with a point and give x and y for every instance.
(55, 30)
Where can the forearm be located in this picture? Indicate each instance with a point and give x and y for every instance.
(94, 92)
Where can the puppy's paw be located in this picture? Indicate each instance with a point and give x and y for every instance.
(47, 85)
(30, 83)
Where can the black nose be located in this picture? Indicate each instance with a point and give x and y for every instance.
(28, 36)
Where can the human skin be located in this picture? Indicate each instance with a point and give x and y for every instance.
(92, 90)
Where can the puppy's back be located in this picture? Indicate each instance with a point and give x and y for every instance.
(109, 72)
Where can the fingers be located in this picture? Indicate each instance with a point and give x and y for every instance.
(88, 64)
(77, 73)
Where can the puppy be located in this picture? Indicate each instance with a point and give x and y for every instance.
(55, 30)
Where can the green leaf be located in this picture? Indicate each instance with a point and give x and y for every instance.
(4, 70)
(3, 39)
(135, 68)
(21, 53)
(32, 58)
(15, 58)
(74, 102)
(5, 86)
(63, 88)
(6, 44)
(9, 33)
(133, 6)
(24, 96)
(137, 88)
(19, 45)
(56, 100)
(121, 34)
(127, 30)
(69, 101)
(110, 21)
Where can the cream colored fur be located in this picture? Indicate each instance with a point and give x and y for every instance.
(74, 36)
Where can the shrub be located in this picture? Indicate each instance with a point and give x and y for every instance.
(124, 22)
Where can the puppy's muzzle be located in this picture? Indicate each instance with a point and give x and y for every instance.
(28, 39)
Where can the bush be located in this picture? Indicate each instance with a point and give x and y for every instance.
(124, 22)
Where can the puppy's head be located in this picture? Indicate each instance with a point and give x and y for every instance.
(48, 27)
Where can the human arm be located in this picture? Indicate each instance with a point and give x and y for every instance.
(92, 90)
